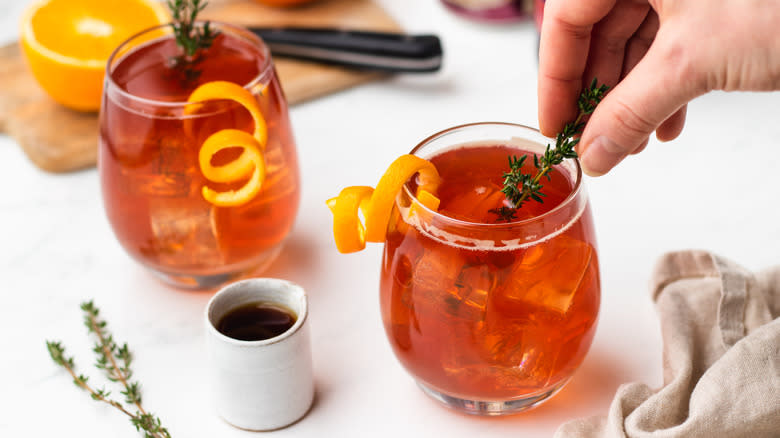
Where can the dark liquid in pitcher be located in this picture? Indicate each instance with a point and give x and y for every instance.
(256, 322)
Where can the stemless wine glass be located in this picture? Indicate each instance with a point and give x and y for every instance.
(490, 318)
(148, 160)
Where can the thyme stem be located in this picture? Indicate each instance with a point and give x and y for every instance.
(519, 187)
(191, 37)
(109, 356)
(107, 346)
(81, 380)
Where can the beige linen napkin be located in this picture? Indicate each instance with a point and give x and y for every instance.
(721, 359)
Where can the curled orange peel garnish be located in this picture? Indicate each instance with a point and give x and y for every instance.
(377, 204)
(348, 231)
(250, 163)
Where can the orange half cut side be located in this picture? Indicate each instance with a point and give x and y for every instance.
(67, 43)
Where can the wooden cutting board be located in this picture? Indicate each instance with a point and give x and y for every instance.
(57, 139)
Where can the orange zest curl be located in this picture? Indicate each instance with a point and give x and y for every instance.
(251, 162)
(376, 205)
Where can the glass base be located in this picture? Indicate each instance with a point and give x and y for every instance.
(492, 408)
(205, 282)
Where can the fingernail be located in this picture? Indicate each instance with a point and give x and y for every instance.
(600, 156)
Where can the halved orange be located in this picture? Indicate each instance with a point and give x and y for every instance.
(68, 42)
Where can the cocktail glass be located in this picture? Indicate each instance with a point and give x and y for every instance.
(150, 139)
(490, 317)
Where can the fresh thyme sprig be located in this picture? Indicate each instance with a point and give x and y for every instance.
(520, 187)
(190, 37)
(115, 362)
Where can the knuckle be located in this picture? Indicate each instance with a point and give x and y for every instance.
(685, 66)
(631, 121)
(612, 44)
(573, 31)
(642, 41)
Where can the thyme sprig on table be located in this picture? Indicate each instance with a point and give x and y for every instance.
(519, 187)
(190, 37)
(114, 361)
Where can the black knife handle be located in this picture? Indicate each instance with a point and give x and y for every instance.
(388, 52)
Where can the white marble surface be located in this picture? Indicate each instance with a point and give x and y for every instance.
(713, 188)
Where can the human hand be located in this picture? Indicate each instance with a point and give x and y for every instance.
(655, 55)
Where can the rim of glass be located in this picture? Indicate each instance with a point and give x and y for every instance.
(458, 222)
(245, 33)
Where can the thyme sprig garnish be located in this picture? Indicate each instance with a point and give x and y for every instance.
(114, 361)
(519, 187)
(189, 37)
(192, 38)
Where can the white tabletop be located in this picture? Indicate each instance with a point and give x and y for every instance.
(713, 188)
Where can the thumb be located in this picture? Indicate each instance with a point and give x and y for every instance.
(652, 92)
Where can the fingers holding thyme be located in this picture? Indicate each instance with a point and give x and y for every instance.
(520, 187)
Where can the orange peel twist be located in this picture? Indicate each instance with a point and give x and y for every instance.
(377, 204)
(251, 162)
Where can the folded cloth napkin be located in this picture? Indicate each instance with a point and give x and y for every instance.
(721, 358)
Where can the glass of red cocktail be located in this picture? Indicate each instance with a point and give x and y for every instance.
(490, 316)
(194, 211)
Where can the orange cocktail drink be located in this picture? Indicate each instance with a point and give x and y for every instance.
(490, 316)
(197, 160)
